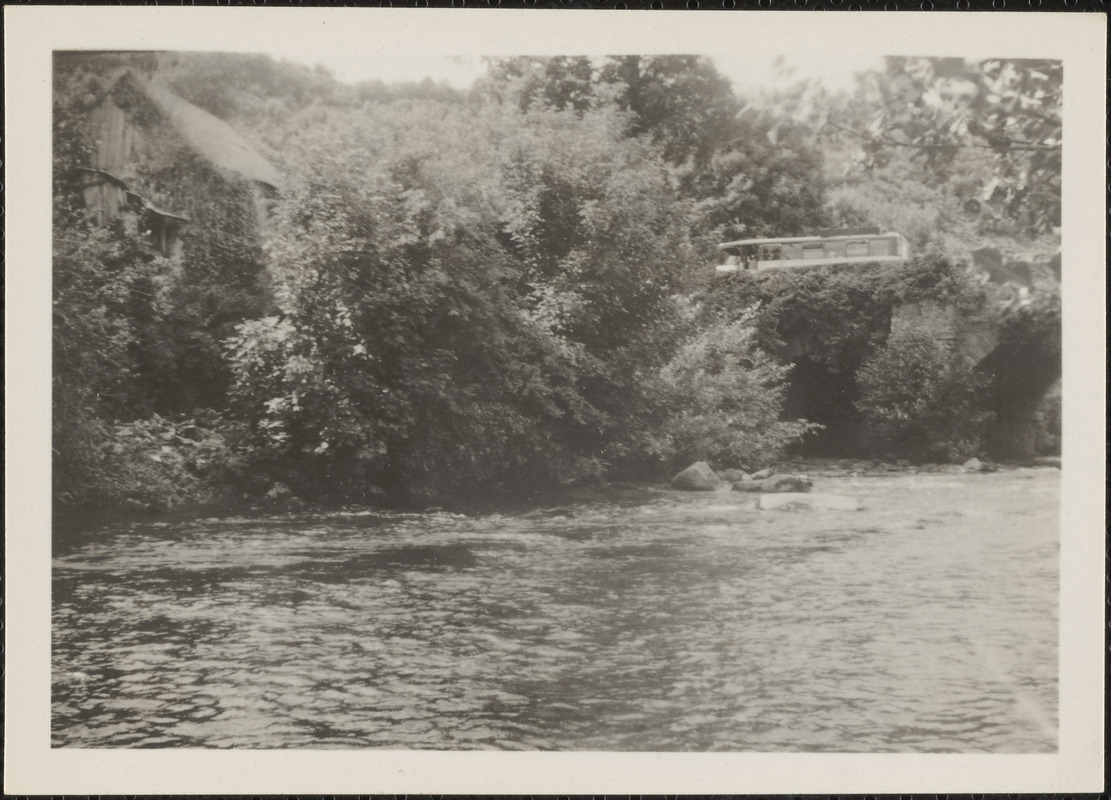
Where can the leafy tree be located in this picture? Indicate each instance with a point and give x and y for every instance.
(555, 82)
(91, 341)
(894, 198)
(120, 351)
(378, 91)
(938, 108)
(984, 136)
(749, 175)
(247, 88)
(680, 101)
(751, 187)
(450, 322)
(601, 234)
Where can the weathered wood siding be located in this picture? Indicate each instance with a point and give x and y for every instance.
(116, 137)
(116, 143)
(103, 198)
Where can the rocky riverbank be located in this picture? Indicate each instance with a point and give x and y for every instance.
(277, 499)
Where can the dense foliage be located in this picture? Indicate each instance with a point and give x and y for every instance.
(725, 396)
(748, 175)
(937, 109)
(839, 315)
(834, 324)
(943, 149)
(509, 288)
(923, 400)
(441, 326)
(109, 446)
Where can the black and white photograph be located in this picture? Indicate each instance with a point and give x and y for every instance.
(639, 398)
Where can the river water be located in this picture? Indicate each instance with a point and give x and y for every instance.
(926, 622)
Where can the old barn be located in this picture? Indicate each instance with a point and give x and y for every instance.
(187, 181)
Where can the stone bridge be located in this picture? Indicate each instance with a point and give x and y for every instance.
(1024, 369)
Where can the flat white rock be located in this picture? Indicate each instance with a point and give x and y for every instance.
(825, 502)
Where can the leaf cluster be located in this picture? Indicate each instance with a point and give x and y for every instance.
(937, 113)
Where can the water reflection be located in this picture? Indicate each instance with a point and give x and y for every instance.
(926, 622)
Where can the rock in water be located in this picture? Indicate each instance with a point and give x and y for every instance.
(732, 475)
(789, 483)
(1048, 461)
(278, 492)
(777, 484)
(813, 502)
(374, 494)
(763, 474)
(698, 477)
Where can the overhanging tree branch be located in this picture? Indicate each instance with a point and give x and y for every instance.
(997, 145)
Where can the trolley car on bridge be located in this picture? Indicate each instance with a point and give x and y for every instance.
(844, 246)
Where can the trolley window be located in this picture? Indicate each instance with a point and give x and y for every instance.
(814, 250)
(856, 249)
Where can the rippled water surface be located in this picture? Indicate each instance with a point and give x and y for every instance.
(926, 622)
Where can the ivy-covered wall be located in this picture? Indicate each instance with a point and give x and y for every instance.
(194, 304)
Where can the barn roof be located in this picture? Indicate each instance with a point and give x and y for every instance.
(210, 136)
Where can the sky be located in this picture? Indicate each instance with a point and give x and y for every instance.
(461, 71)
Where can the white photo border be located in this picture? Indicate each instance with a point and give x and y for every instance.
(33, 33)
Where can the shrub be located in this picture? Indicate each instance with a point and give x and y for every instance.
(157, 461)
(724, 397)
(923, 400)
(95, 273)
(121, 349)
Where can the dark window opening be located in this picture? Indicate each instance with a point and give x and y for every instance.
(162, 233)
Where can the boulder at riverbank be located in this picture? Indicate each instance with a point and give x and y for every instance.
(698, 477)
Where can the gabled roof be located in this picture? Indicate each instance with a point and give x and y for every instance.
(210, 136)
